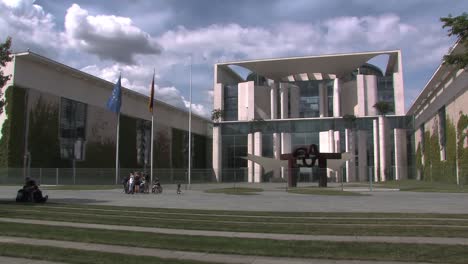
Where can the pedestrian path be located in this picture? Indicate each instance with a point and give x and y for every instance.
(9, 260)
(179, 255)
(333, 238)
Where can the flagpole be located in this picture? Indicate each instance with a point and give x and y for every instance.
(152, 133)
(117, 151)
(190, 129)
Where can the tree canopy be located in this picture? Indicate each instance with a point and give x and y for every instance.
(5, 56)
(383, 107)
(457, 26)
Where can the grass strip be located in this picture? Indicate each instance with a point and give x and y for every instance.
(263, 247)
(12, 204)
(79, 256)
(282, 228)
(323, 191)
(423, 186)
(236, 191)
(148, 216)
(82, 187)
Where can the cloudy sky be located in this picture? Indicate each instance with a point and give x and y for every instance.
(137, 36)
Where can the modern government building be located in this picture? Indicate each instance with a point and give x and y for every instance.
(55, 117)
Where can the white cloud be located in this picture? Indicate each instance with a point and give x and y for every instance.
(109, 37)
(29, 25)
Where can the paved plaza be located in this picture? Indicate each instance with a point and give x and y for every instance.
(273, 198)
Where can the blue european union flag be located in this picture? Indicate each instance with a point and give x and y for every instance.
(115, 101)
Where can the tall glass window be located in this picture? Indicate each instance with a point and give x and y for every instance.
(385, 91)
(330, 98)
(230, 102)
(72, 126)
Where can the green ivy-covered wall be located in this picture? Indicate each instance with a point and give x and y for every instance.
(43, 138)
(428, 160)
(12, 141)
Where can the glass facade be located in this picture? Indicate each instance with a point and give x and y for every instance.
(72, 126)
(385, 91)
(309, 102)
(230, 102)
(303, 132)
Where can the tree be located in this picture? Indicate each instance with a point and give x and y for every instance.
(217, 115)
(457, 26)
(4, 58)
(383, 107)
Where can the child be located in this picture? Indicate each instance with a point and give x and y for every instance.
(178, 189)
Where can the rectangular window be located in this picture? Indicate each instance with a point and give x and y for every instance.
(230, 102)
(72, 127)
(442, 136)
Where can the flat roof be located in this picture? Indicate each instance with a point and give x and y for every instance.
(433, 84)
(338, 64)
(86, 76)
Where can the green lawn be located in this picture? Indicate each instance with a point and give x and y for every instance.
(423, 186)
(320, 223)
(80, 256)
(312, 190)
(236, 191)
(241, 246)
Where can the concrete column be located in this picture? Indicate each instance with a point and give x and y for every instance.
(273, 100)
(361, 96)
(337, 141)
(331, 141)
(250, 164)
(375, 126)
(371, 90)
(323, 102)
(382, 147)
(398, 88)
(401, 159)
(284, 100)
(286, 148)
(258, 170)
(217, 150)
(350, 164)
(294, 99)
(362, 154)
(218, 103)
(336, 98)
(276, 153)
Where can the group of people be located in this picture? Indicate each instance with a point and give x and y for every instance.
(30, 192)
(138, 182)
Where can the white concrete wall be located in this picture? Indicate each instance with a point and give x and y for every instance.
(383, 151)
(401, 156)
(349, 98)
(284, 101)
(376, 169)
(350, 164)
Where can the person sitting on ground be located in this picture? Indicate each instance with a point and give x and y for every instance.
(31, 191)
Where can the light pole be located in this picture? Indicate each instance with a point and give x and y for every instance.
(190, 129)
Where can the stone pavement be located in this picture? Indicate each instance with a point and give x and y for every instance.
(274, 198)
(180, 255)
(384, 239)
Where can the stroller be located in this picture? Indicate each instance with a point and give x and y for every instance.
(156, 188)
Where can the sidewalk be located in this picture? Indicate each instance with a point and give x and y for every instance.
(378, 239)
(180, 255)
